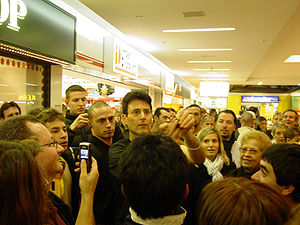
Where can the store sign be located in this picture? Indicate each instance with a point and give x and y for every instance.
(14, 9)
(27, 97)
(260, 99)
(43, 28)
(119, 58)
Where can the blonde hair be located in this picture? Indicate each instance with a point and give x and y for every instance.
(278, 125)
(211, 130)
(259, 136)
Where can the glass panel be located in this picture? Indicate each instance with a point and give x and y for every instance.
(21, 82)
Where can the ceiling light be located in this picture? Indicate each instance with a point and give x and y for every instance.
(204, 49)
(209, 61)
(201, 29)
(260, 83)
(3, 85)
(211, 69)
(214, 75)
(293, 58)
(214, 79)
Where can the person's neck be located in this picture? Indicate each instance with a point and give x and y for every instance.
(107, 141)
(211, 158)
(226, 138)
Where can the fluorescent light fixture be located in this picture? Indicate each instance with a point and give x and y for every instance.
(215, 79)
(31, 84)
(3, 85)
(204, 49)
(216, 89)
(214, 75)
(211, 69)
(260, 83)
(209, 61)
(293, 58)
(199, 30)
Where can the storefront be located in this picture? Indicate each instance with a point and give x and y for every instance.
(34, 36)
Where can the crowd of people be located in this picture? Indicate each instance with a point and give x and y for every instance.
(163, 167)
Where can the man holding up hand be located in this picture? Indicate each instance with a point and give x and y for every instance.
(76, 117)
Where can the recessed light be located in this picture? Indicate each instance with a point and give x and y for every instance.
(201, 29)
(209, 61)
(260, 83)
(204, 49)
(211, 69)
(293, 58)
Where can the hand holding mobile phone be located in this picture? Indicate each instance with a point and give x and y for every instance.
(85, 153)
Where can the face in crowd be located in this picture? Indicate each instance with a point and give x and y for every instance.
(279, 135)
(138, 119)
(277, 118)
(225, 125)
(103, 122)
(211, 146)
(76, 102)
(290, 119)
(164, 117)
(11, 112)
(49, 157)
(196, 112)
(251, 154)
(58, 130)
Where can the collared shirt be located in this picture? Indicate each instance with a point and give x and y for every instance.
(166, 220)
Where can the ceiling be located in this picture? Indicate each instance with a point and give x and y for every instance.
(267, 33)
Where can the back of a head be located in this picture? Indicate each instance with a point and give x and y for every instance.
(154, 174)
(135, 95)
(207, 118)
(16, 128)
(246, 119)
(285, 160)
(73, 88)
(23, 193)
(242, 201)
(291, 132)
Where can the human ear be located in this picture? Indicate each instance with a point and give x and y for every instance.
(287, 189)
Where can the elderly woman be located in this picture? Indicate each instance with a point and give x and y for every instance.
(217, 163)
(253, 144)
(208, 121)
(278, 130)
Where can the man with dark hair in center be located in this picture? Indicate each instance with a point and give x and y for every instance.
(154, 176)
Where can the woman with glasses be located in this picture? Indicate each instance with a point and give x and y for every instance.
(253, 143)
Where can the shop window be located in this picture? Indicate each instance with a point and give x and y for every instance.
(21, 82)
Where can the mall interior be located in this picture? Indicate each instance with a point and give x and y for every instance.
(47, 46)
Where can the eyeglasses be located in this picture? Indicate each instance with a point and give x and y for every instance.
(251, 151)
(53, 144)
(137, 112)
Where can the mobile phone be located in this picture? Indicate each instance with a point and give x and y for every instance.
(85, 153)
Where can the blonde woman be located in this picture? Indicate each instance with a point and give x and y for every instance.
(217, 162)
(278, 130)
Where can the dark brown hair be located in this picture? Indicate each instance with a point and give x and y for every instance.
(242, 201)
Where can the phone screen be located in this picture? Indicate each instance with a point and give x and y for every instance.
(86, 154)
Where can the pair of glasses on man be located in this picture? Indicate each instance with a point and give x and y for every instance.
(53, 144)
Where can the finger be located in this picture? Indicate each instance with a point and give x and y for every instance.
(83, 167)
(179, 113)
(172, 127)
(164, 127)
(77, 170)
(188, 121)
(94, 166)
(184, 116)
